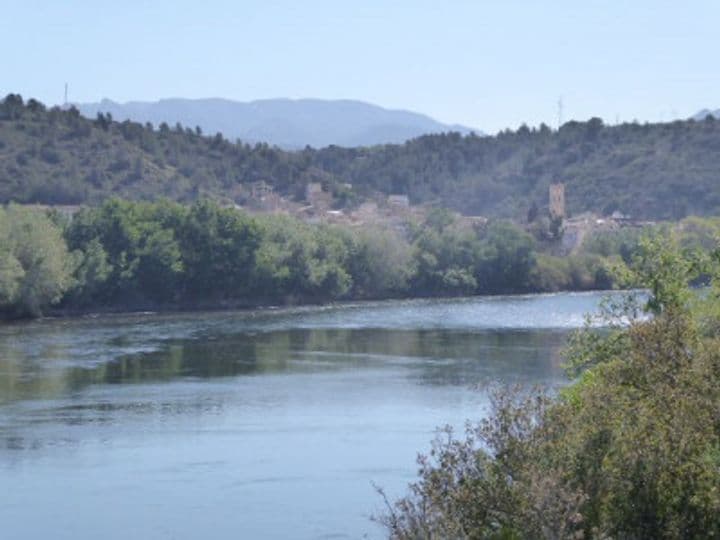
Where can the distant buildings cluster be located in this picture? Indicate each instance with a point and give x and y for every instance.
(576, 228)
(318, 203)
(396, 211)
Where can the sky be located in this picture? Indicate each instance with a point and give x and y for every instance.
(490, 65)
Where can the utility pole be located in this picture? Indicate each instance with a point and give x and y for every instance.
(65, 103)
(560, 111)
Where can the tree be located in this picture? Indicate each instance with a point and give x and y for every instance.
(12, 107)
(446, 257)
(630, 450)
(35, 266)
(11, 271)
(508, 256)
(381, 263)
(92, 273)
(297, 261)
(533, 212)
(218, 250)
(160, 267)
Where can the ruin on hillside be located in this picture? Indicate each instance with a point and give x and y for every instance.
(557, 201)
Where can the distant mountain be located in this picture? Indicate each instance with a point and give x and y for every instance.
(704, 114)
(287, 123)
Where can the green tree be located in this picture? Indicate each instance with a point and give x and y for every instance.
(91, 274)
(160, 267)
(508, 258)
(218, 251)
(296, 260)
(446, 257)
(381, 263)
(35, 266)
(630, 450)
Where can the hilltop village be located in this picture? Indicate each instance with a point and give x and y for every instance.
(567, 233)
(564, 233)
(396, 211)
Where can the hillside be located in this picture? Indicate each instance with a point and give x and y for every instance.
(652, 171)
(288, 123)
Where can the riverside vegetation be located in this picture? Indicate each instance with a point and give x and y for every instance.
(130, 255)
(631, 449)
(140, 255)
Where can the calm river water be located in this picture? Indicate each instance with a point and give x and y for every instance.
(264, 424)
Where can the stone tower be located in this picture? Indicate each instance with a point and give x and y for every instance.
(557, 201)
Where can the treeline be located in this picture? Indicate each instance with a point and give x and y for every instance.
(631, 449)
(653, 171)
(57, 156)
(649, 171)
(130, 255)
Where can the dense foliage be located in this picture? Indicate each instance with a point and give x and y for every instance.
(658, 171)
(203, 254)
(35, 266)
(125, 255)
(630, 450)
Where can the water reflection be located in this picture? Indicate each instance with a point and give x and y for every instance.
(221, 422)
(434, 356)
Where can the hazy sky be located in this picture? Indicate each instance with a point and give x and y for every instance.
(486, 64)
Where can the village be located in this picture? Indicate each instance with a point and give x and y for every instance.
(395, 211)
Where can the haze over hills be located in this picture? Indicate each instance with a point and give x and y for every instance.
(287, 123)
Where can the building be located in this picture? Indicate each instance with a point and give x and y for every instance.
(260, 190)
(319, 199)
(398, 201)
(367, 212)
(476, 223)
(557, 201)
(67, 211)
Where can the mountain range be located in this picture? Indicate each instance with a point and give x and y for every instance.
(287, 123)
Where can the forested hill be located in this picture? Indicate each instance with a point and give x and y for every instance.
(648, 171)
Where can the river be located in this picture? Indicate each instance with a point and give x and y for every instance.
(256, 424)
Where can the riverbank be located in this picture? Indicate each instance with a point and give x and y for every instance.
(288, 304)
(168, 257)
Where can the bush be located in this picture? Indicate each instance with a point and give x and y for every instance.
(630, 450)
